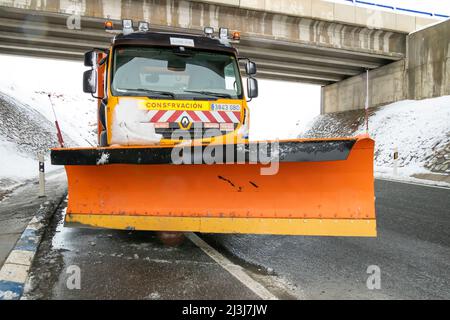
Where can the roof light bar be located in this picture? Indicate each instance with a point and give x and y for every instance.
(109, 25)
(208, 31)
(143, 26)
(127, 25)
(223, 33)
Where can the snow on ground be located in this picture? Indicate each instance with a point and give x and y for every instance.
(30, 80)
(15, 164)
(406, 175)
(415, 128)
(420, 130)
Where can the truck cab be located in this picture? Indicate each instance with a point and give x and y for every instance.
(159, 88)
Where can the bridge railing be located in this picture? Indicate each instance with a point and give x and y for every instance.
(387, 5)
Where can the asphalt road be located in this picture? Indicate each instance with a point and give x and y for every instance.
(117, 264)
(412, 253)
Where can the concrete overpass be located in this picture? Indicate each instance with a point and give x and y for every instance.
(424, 73)
(298, 40)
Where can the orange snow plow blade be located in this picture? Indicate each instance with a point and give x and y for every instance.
(321, 187)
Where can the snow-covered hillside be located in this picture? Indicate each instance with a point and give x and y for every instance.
(24, 133)
(420, 130)
(26, 117)
(31, 80)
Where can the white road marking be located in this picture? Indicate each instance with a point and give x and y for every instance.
(232, 268)
(424, 184)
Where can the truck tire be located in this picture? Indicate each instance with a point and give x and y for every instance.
(171, 238)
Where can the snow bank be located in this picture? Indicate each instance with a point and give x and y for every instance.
(420, 130)
(416, 128)
(15, 164)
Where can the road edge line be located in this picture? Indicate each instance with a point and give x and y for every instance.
(235, 270)
(15, 270)
(426, 183)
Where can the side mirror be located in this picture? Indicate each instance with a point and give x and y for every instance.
(252, 88)
(90, 58)
(250, 68)
(90, 81)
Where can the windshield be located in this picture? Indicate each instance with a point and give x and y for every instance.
(174, 73)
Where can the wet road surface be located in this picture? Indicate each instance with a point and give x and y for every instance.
(119, 264)
(412, 252)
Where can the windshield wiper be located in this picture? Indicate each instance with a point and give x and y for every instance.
(149, 91)
(210, 93)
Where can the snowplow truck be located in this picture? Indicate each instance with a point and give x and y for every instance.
(174, 153)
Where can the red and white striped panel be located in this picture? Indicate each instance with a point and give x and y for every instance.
(194, 116)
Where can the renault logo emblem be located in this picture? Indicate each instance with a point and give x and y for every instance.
(185, 122)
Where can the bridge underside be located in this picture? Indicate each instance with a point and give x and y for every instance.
(319, 60)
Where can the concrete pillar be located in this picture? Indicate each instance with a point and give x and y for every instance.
(322, 100)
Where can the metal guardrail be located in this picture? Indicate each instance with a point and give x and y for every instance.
(395, 8)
